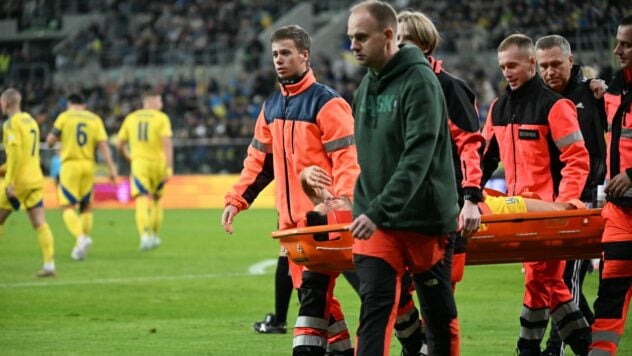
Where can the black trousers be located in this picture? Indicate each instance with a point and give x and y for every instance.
(574, 275)
(378, 284)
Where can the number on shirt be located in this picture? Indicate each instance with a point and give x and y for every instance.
(34, 133)
(143, 129)
(82, 136)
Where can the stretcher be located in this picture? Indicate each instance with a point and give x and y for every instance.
(506, 238)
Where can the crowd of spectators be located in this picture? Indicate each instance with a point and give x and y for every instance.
(208, 32)
(168, 32)
(187, 32)
(469, 26)
(213, 122)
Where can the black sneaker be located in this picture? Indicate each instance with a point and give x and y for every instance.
(269, 325)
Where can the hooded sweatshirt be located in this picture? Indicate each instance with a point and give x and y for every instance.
(407, 178)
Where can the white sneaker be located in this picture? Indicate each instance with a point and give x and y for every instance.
(146, 243)
(48, 270)
(81, 248)
(43, 273)
(155, 241)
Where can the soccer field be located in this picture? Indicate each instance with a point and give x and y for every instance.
(198, 293)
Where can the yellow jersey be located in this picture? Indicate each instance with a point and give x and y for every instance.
(144, 130)
(80, 131)
(21, 139)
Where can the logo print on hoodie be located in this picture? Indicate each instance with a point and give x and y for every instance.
(385, 103)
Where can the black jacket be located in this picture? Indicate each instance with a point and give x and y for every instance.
(467, 141)
(591, 114)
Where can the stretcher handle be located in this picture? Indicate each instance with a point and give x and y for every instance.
(333, 248)
(485, 219)
(539, 215)
(310, 230)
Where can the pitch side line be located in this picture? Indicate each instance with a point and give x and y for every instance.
(256, 269)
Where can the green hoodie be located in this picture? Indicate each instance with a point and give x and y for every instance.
(403, 141)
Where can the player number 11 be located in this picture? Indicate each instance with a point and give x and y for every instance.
(143, 128)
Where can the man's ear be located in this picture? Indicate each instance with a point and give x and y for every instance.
(390, 34)
(532, 61)
(305, 56)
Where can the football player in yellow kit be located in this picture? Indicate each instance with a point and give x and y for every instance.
(80, 132)
(23, 180)
(147, 131)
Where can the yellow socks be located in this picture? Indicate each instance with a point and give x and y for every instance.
(87, 219)
(45, 239)
(156, 216)
(73, 222)
(142, 214)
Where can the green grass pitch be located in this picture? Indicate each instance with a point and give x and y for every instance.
(195, 295)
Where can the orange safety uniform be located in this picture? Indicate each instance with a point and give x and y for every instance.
(304, 124)
(535, 133)
(301, 125)
(615, 282)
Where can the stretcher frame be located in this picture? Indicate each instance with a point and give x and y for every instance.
(503, 238)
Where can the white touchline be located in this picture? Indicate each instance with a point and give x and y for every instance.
(260, 268)
(256, 269)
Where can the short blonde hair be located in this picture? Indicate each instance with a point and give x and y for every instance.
(422, 31)
(523, 42)
(11, 97)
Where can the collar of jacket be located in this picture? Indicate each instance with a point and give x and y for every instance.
(299, 87)
(577, 77)
(529, 86)
(435, 64)
(621, 81)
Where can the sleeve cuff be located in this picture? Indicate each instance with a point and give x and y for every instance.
(374, 216)
(238, 202)
(475, 195)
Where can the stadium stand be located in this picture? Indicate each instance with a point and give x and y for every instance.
(210, 58)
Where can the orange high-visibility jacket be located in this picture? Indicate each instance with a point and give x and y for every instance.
(303, 124)
(535, 133)
(618, 86)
